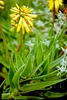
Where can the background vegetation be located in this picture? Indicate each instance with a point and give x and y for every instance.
(39, 69)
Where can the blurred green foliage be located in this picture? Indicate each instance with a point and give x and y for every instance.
(34, 67)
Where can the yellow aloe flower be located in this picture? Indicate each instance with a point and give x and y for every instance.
(1, 4)
(22, 19)
(54, 4)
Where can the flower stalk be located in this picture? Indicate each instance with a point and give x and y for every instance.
(28, 3)
(20, 41)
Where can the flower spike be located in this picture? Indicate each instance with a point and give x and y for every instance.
(22, 19)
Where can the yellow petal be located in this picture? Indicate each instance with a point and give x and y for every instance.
(51, 4)
(28, 20)
(30, 10)
(15, 10)
(60, 2)
(12, 15)
(22, 28)
(2, 2)
(18, 28)
(12, 22)
(32, 16)
(12, 28)
(57, 4)
(16, 17)
(17, 6)
(19, 24)
(26, 26)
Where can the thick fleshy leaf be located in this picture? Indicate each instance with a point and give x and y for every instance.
(19, 61)
(45, 58)
(11, 72)
(16, 76)
(39, 55)
(28, 97)
(4, 62)
(55, 62)
(5, 96)
(39, 85)
(29, 66)
(50, 94)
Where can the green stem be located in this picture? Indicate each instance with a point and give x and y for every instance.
(28, 3)
(20, 41)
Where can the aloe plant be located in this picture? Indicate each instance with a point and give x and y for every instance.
(38, 65)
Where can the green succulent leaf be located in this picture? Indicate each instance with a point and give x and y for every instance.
(39, 85)
(11, 72)
(16, 76)
(29, 66)
(4, 62)
(28, 97)
(39, 52)
(19, 61)
(50, 94)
